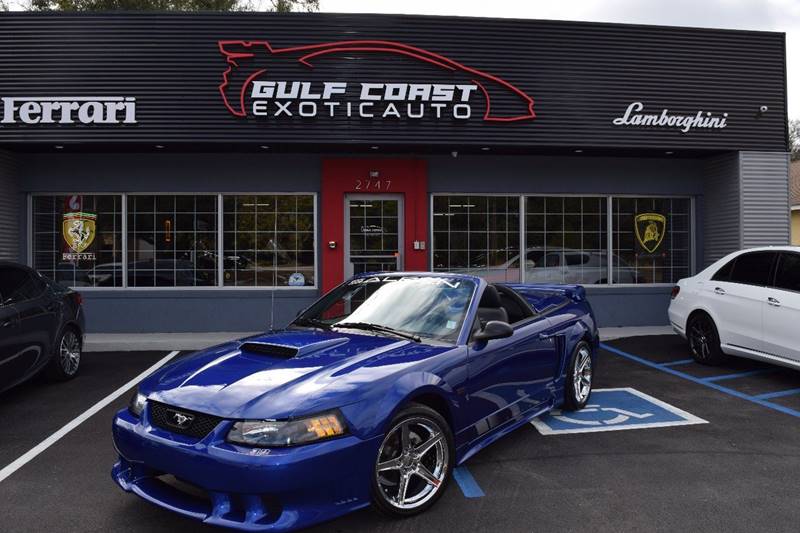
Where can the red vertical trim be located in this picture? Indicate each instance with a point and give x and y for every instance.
(408, 177)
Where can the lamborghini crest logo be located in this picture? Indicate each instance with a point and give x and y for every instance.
(650, 229)
(79, 230)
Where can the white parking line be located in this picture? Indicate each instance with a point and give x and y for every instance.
(55, 437)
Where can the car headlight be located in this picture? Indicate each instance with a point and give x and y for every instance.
(280, 433)
(136, 405)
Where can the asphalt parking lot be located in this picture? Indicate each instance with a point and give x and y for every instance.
(737, 472)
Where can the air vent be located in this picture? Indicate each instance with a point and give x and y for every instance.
(263, 348)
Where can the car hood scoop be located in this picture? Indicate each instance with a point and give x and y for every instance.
(269, 375)
(287, 352)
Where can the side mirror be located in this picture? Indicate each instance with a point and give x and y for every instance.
(494, 329)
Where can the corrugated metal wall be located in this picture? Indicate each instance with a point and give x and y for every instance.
(580, 75)
(721, 203)
(764, 182)
(9, 209)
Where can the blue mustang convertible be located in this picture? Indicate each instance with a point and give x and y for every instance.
(371, 396)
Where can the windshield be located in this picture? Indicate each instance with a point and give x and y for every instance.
(430, 307)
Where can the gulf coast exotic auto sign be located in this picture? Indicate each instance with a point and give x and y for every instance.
(250, 87)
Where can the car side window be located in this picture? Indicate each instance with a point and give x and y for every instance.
(787, 276)
(17, 285)
(576, 259)
(724, 273)
(753, 268)
(552, 260)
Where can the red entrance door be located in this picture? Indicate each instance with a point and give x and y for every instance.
(345, 181)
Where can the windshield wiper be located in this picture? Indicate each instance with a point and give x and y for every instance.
(315, 322)
(378, 328)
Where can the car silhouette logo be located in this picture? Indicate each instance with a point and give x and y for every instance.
(249, 60)
(180, 420)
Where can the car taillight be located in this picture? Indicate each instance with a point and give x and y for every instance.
(77, 298)
(675, 291)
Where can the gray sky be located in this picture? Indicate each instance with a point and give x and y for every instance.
(772, 15)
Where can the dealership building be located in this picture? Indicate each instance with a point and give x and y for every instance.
(194, 172)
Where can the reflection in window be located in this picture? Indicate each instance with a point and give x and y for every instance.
(172, 240)
(566, 239)
(651, 239)
(268, 240)
(77, 239)
(477, 235)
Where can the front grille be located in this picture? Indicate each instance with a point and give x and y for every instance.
(182, 421)
(263, 348)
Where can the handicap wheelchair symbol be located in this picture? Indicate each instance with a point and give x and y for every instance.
(621, 416)
(613, 410)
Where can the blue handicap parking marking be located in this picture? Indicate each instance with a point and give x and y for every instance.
(615, 410)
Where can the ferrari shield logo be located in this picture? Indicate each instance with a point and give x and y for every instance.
(650, 229)
(79, 230)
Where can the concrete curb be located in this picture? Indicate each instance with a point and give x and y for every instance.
(137, 342)
(609, 334)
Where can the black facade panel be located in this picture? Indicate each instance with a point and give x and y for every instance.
(580, 76)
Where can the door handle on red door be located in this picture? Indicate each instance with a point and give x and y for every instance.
(719, 290)
(773, 302)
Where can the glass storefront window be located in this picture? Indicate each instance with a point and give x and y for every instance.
(268, 240)
(477, 235)
(77, 239)
(651, 239)
(172, 240)
(566, 239)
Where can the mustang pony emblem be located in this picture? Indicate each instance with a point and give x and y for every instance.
(650, 230)
(249, 60)
(79, 230)
(181, 420)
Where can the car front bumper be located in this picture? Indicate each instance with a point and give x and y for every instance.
(251, 489)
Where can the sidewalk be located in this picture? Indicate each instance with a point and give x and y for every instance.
(133, 342)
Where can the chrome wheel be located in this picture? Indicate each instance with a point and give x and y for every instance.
(69, 352)
(582, 376)
(412, 463)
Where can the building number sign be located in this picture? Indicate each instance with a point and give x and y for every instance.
(376, 184)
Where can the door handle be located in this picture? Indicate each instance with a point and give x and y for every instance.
(773, 302)
(719, 290)
(546, 336)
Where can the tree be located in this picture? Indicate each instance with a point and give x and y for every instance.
(280, 6)
(794, 138)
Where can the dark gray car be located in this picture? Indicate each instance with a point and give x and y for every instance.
(41, 327)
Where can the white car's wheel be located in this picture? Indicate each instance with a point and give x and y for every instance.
(701, 332)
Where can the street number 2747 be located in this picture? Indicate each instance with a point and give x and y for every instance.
(373, 185)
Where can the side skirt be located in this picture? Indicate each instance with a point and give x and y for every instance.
(499, 432)
(747, 353)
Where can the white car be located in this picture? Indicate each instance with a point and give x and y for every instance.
(555, 265)
(746, 304)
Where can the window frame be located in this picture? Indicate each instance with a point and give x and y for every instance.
(776, 266)
(220, 235)
(610, 228)
(773, 269)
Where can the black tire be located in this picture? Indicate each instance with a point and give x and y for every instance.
(703, 339)
(66, 359)
(419, 419)
(579, 380)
